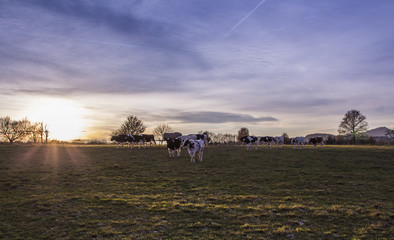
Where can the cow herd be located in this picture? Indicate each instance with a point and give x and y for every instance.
(195, 143)
(298, 142)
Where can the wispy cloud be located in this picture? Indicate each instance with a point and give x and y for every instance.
(216, 117)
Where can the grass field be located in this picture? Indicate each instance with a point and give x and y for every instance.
(100, 192)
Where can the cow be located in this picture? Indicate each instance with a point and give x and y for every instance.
(122, 138)
(316, 140)
(204, 137)
(174, 145)
(267, 140)
(171, 135)
(193, 147)
(299, 141)
(147, 138)
(249, 140)
(280, 140)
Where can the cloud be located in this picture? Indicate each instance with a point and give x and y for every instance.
(216, 117)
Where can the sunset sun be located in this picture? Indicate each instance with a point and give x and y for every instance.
(63, 117)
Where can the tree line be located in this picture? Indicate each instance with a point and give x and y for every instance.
(20, 130)
(352, 127)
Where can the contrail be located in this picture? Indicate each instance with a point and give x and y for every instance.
(243, 19)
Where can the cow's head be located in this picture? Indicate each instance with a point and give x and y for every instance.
(188, 143)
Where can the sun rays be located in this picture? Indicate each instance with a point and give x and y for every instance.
(65, 118)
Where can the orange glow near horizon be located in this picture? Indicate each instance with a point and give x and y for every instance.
(64, 117)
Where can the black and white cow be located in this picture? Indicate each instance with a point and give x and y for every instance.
(267, 140)
(316, 140)
(174, 146)
(280, 140)
(123, 138)
(204, 137)
(148, 138)
(193, 147)
(249, 141)
(299, 141)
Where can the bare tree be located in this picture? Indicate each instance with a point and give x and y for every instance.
(14, 130)
(390, 133)
(353, 123)
(161, 129)
(243, 132)
(34, 132)
(286, 139)
(132, 125)
(44, 132)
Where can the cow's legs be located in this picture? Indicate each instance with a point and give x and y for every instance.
(200, 154)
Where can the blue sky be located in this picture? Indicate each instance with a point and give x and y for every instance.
(294, 66)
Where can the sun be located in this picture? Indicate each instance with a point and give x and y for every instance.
(65, 118)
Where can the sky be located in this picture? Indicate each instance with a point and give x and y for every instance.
(272, 66)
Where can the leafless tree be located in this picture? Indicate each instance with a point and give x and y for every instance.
(353, 123)
(132, 125)
(161, 129)
(44, 132)
(14, 130)
(286, 139)
(34, 131)
(390, 133)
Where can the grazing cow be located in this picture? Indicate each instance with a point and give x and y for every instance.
(316, 140)
(299, 141)
(267, 141)
(148, 138)
(279, 141)
(249, 140)
(171, 135)
(193, 147)
(174, 145)
(122, 138)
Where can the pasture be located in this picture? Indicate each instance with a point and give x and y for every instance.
(100, 192)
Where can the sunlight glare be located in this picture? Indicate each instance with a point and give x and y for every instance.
(64, 117)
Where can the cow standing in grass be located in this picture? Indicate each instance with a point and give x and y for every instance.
(147, 138)
(267, 140)
(174, 146)
(193, 147)
(123, 138)
(280, 140)
(203, 137)
(299, 141)
(249, 141)
(316, 140)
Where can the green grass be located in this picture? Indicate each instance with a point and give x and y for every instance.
(100, 192)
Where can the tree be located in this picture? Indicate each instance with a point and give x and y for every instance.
(44, 132)
(34, 132)
(132, 125)
(286, 139)
(161, 129)
(390, 133)
(353, 123)
(14, 130)
(243, 132)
